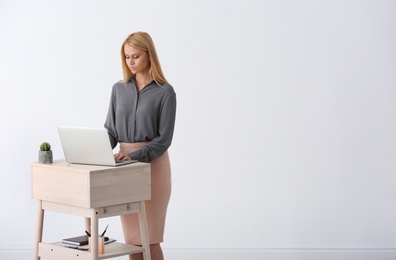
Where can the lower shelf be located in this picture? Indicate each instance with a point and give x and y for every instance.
(58, 252)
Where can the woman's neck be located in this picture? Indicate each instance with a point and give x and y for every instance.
(142, 81)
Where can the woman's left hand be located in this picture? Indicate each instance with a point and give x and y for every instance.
(121, 156)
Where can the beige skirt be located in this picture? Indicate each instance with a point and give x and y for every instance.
(156, 207)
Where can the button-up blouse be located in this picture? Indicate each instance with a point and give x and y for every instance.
(148, 115)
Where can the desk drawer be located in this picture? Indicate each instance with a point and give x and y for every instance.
(91, 186)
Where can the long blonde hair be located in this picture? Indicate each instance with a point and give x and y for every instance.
(142, 41)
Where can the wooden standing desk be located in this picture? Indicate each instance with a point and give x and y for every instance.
(92, 192)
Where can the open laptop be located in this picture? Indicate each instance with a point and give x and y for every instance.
(83, 145)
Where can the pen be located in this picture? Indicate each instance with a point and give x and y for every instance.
(104, 231)
(88, 234)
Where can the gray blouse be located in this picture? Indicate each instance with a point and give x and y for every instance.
(148, 115)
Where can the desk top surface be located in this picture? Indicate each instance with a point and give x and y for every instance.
(89, 168)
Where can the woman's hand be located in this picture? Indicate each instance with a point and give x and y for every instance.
(121, 156)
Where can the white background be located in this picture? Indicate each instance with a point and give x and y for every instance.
(285, 133)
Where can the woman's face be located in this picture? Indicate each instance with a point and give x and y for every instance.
(138, 61)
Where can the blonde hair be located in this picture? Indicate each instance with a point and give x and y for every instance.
(142, 41)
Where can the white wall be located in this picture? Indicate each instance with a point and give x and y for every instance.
(285, 134)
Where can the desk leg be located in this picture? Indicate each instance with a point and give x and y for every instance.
(88, 224)
(39, 230)
(94, 234)
(144, 231)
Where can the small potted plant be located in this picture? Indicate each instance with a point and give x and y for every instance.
(45, 153)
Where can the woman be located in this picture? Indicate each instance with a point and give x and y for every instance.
(141, 118)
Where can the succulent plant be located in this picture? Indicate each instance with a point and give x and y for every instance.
(45, 146)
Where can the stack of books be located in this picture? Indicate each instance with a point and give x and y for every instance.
(81, 242)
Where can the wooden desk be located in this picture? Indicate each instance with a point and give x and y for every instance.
(92, 192)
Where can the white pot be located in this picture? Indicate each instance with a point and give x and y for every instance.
(45, 157)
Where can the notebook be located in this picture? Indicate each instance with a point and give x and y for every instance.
(84, 145)
(78, 241)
